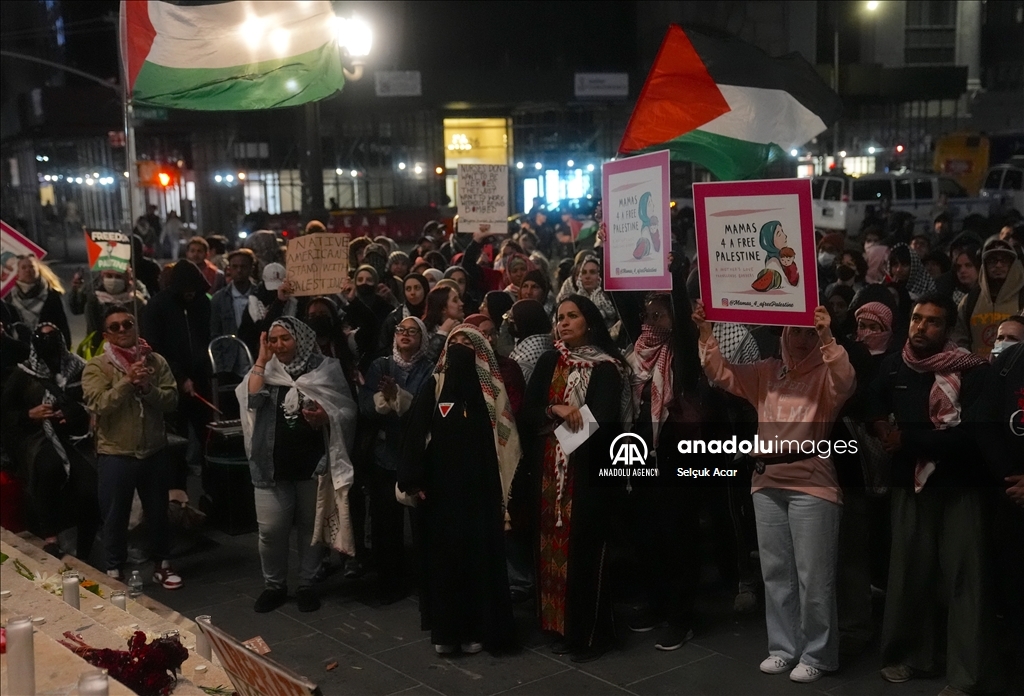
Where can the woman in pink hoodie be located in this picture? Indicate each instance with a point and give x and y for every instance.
(797, 499)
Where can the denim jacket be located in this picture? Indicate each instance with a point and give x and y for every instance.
(261, 464)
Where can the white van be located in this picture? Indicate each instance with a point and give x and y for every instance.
(909, 192)
(829, 195)
(1004, 188)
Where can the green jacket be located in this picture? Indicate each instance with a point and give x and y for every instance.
(129, 423)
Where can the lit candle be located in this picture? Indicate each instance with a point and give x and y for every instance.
(21, 658)
(93, 683)
(202, 643)
(119, 599)
(70, 584)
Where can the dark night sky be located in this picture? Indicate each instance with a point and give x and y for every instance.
(91, 46)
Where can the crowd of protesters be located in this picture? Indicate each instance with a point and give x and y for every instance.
(434, 382)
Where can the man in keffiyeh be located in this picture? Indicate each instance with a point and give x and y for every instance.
(130, 389)
(919, 404)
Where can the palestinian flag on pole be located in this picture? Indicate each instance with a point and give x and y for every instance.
(214, 56)
(727, 105)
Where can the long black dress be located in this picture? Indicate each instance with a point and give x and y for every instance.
(464, 593)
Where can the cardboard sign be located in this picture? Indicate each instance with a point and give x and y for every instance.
(109, 250)
(755, 251)
(253, 674)
(483, 198)
(637, 216)
(12, 245)
(317, 263)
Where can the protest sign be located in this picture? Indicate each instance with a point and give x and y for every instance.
(636, 213)
(317, 263)
(755, 251)
(109, 250)
(483, 198)
(253, 674)
(12, 245)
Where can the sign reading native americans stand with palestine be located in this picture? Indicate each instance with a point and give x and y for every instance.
(229, 55)
(727, 105)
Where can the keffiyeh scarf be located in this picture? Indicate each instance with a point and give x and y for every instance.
(418, 355)
(581, 362)
(69, 375)
(651, 361)
(30, 304)
(944, 398)
(528, 351)
(499, 409)
(919, 283)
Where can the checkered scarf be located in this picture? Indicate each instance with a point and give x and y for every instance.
(944, 398)
(651, 360)
(499, 409)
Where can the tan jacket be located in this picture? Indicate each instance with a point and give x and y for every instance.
(128, 422)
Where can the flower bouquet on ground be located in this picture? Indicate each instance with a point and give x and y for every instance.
(147, 669)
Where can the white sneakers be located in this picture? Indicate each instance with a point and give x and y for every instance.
(467, 648)
(774, 664)
(804, 674)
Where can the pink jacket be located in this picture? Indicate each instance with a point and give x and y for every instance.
(794, 401)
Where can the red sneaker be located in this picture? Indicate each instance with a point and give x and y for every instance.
(166, 576)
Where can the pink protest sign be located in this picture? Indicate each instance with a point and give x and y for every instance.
(755, 251)
(637, 216)
(12, 245)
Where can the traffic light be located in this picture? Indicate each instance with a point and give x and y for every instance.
(158, 174)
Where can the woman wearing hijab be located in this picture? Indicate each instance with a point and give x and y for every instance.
(586, 281)
(391, 384)
(797, 499)
(398, 264)
(583, 370)
(44, 419)
(906, 272)
(298, 422)
(37, 297)
(517, 265)
(415, 289)
(459, 455)
(444, 312)
(529, 325)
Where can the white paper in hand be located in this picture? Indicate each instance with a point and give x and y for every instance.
(569, 440)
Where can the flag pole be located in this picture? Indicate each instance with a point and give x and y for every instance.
(130, 156)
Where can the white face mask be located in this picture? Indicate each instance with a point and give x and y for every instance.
(1000, 346)
(826, 259)
(115, 286)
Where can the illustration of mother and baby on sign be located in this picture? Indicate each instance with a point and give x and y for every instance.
(780, 260)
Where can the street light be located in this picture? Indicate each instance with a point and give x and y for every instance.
(356, 38)
(872, 5)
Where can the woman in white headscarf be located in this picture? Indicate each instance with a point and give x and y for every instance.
(298, 419)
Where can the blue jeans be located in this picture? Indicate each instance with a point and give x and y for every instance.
(798, 540)
(287, 504)
(119, 478)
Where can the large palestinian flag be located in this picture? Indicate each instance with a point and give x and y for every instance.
(229, 55)
(727, 105)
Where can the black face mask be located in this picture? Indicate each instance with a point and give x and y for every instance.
(845, 273)
(365, 292)
(49, 347)
(323, 325)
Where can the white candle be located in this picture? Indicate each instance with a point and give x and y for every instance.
(119, 599)
(202, 644)
(21, 657)
(93, 683)
(70, 584)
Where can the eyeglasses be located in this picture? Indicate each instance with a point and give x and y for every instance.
(118, 326)
(407, 331)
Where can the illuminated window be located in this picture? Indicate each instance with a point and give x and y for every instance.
(472, 141)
